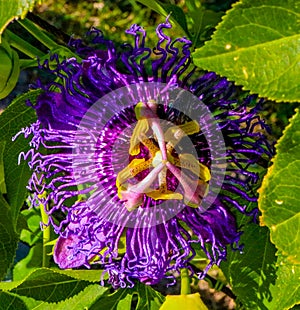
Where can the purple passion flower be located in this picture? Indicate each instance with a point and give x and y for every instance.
(140, 160)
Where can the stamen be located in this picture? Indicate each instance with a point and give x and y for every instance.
(188, 128)
(142, 127)
(164, 195)
(135, 166)
(145, 184)
(149, 144)
(176, 133)
(133, 195)
(188, 161)
(192, 197)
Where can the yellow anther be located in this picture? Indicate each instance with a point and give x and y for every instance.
(131, 170)
(140, 167)
(138, 110)
(204, 173)
(145, 111)
(175, 133)
(151, 146)
(188, 161)
(141, 127)
(166, 195)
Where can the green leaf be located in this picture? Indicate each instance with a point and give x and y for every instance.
(148, 297)
(32, 233)
(8, 237)
(164, 9)
(11, 301)
(203, 21)
(2, 176)
(86, 275)
(12, 9)
(252, 272)
(121, 299)
(82, 300)
(280, 192)
(46, 285)
(286, 289)
(16, 116)
(257, 46)
(9, 69)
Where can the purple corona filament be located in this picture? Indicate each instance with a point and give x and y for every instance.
(88, 196)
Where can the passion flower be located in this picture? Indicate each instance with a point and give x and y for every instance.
(139, 159)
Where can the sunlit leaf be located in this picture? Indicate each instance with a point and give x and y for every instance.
(280, 192)
(80, 301)
(46, 285)
(16, 116)
(12, 9)
(257, 46)
(83, 300)
(122, 299)
(285, 291)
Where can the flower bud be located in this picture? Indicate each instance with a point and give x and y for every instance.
(187, 302)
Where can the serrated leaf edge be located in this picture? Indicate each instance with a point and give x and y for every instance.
(8, 286)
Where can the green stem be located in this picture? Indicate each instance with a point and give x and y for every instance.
(38, 33)
(46, 237)
(22, 45)
(185, 282)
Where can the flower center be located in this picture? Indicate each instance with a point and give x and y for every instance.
(162, 161)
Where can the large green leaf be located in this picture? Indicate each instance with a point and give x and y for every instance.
(285, 291)
(46, 285)
(12, 9)
(10, 301)
(280, 192)
(257, 46)
(83, 300)
(122, 299)
(252, 272)
(86, 275)
(16, 116)
(8, 237)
